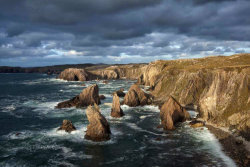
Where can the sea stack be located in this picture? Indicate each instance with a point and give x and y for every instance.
(116, 110)
(137, 97)
(67, 126)
(98, 128)
(171, 113)
(89, 96)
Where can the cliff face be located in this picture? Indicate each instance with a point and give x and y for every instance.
(218, 86)
(118, 72)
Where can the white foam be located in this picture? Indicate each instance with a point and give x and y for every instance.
(76, 86)
(10, 107)
(146, 107)
(212, 144)
(19, 135)
(193, 114)
(137, 128)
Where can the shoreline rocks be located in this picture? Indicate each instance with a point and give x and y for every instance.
(197, 123)
(98, 128)
(67, 126)
(232, 145)
(137, 97)
(172, 112)
(116, 110)
(89, 96)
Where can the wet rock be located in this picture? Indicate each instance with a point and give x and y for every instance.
(120, 93)
(98, 128)
(67, 126)
(172, 112)
(74, 74)
(197, 123)
(108, 104)
(136, 96)
(102, 97)
(69, 103)
(18, 133)
(116, 110)
(105, 82)
(89, 96)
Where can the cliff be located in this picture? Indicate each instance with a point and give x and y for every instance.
(218, 86)
(129, 71)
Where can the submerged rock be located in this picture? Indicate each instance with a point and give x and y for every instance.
(120, 93)
(74, 74)
(136, 96)
(98, 128)
(116, 110)
(197, 123)
(67, 126)
(89, 96)
(102, 97)
(171, 113)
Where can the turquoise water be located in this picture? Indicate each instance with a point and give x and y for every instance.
(29, 121)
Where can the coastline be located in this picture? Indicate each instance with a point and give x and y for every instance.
(234, 146)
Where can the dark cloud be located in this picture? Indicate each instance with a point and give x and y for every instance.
(112, 28)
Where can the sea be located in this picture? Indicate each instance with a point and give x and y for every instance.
(29, 136)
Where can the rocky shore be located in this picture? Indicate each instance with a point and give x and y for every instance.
(233, 145)
(218, 88)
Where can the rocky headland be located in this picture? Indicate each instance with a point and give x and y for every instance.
(217, 87)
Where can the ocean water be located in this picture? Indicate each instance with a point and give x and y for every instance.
(28, 135)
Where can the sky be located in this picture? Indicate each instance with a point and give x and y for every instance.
(50, 32)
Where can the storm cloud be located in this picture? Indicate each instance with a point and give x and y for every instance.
(47, 32)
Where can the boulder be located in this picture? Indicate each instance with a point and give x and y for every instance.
(89, 96)
(197, 123)
(172, 112)
(116, 110)
(120, 93)
(98, 128)
(67, 126)
(102, 97)
(74, 74)
(136, 96)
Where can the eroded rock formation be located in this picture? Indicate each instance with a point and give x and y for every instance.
(89, 96)
(116, 110)
(171, 113)
(98, 128)
(137, 97)
(74, 74)
(67, 126)
(218, 86)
